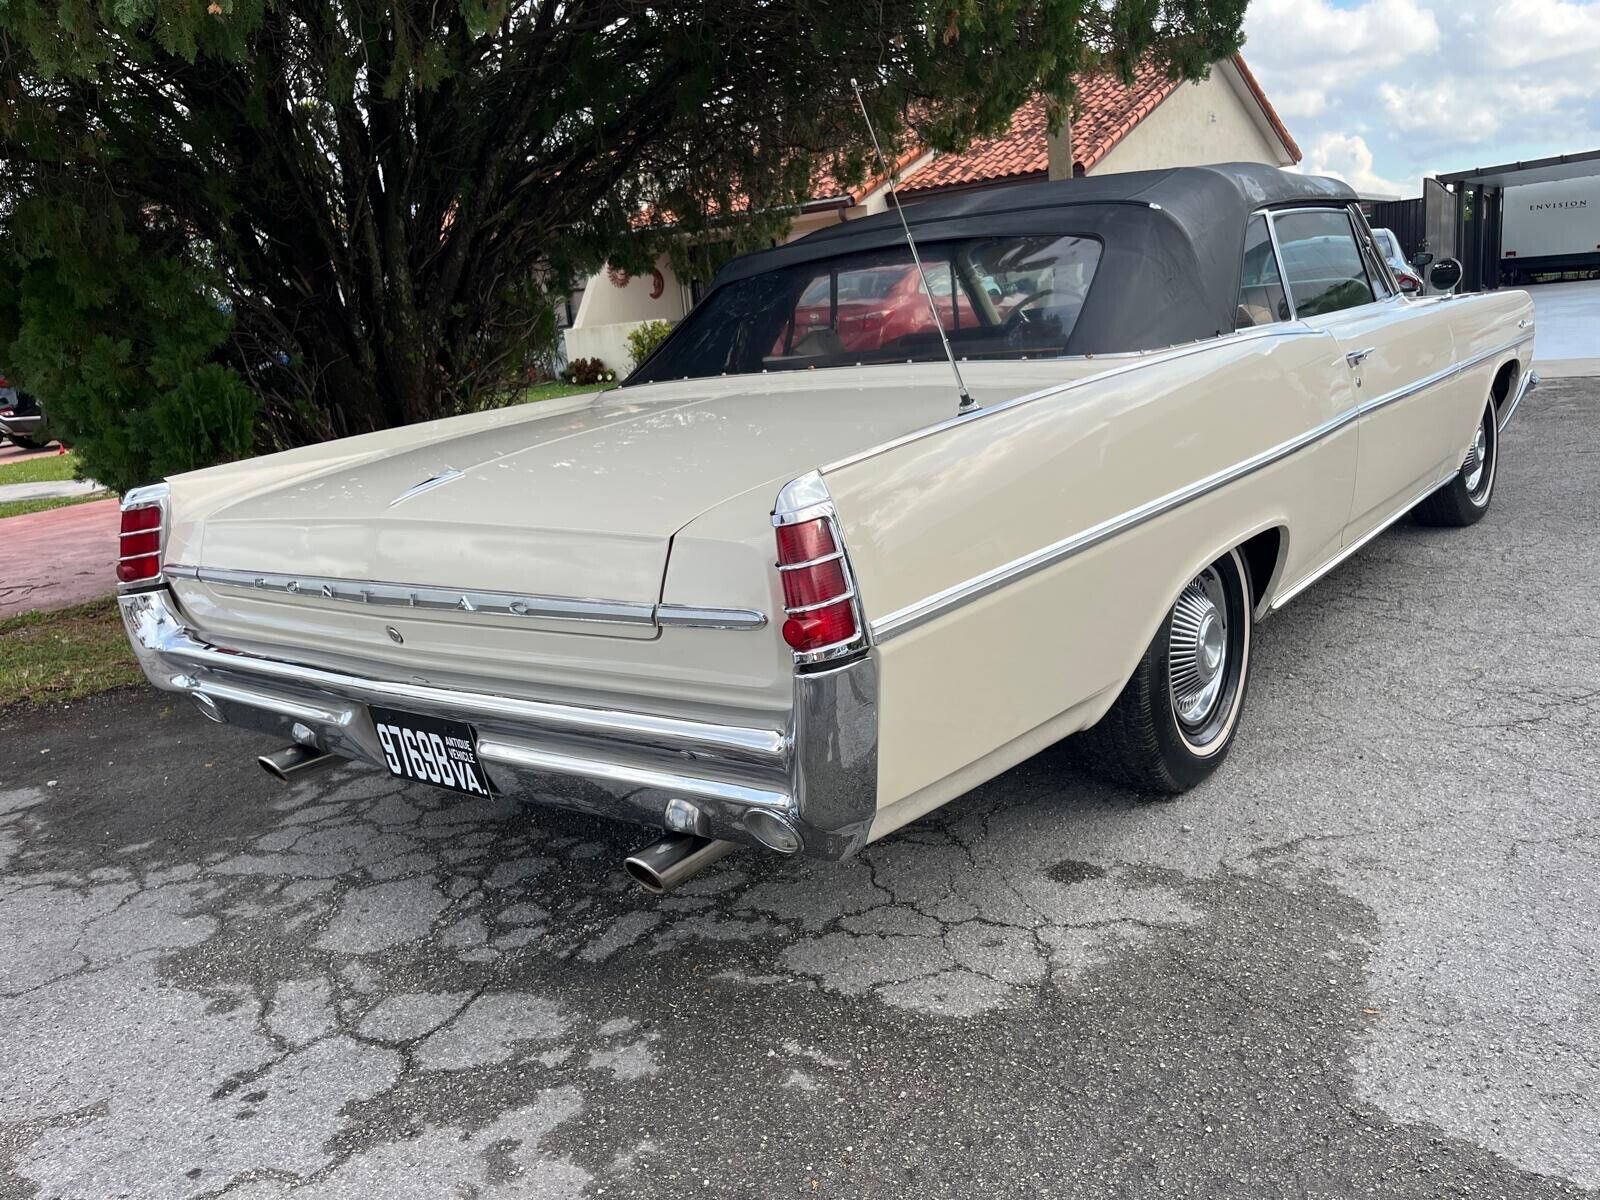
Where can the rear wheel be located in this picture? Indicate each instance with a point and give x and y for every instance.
(1465, 499)
(1175, 720)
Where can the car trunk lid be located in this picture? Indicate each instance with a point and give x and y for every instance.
(582, 504)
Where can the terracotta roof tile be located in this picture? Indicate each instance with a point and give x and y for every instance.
(825, 187)
(1017, 153)
(1107, 111)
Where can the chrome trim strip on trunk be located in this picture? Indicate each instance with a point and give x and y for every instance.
(913, 615)
(689, 616)
(437, 599)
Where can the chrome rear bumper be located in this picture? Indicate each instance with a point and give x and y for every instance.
(817, 773)
(18, 426)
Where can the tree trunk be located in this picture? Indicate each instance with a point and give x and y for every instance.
(1060, 144)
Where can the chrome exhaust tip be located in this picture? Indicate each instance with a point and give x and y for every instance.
(662, 866)
(291, 762)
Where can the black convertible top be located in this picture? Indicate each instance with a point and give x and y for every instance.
(1172, 241)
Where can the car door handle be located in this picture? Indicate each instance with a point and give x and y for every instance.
(1356, 357)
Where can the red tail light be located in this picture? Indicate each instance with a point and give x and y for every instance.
(818, 594)
(143, 520)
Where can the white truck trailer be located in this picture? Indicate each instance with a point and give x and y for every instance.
(1550, 227)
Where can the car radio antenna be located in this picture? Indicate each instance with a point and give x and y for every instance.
(967, 403)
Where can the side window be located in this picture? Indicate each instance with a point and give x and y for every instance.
(1323, 263)
(1261, 298)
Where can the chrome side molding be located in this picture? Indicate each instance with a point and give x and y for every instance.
(1293, 590)
(960, 594)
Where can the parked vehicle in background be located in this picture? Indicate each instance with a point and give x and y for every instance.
(1550, 228)
(22, 417)
(882, 306)
(795, 594)
(1409, 279)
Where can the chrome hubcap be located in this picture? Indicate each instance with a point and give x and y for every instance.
(1477, 461)
(1197, 652)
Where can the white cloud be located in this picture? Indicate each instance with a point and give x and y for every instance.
(1536, 31)
(1303, 102)
(1468, 113)
(1385, 90)
(1315, 35)
(1347, 157)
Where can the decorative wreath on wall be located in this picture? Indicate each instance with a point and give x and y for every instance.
(658, 284)
(619, 277)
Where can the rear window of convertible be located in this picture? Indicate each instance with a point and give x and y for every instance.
(1005, 297)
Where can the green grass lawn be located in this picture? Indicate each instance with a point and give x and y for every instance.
(47, 469)
(552, 391)
(65, 654)
(21, 508)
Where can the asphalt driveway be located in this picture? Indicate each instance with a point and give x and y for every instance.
(1363, 960)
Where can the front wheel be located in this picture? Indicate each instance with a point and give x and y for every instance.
(1175, 720)
(1465, 499)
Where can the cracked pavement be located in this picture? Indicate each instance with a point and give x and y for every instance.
(1360, 960)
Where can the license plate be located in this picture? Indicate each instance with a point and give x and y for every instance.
(443, 753)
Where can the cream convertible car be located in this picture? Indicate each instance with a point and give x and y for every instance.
(784, 589)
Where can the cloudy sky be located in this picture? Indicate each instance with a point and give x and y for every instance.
(1383, 92)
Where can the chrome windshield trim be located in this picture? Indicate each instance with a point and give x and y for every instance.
(504, 604)
(904, 620)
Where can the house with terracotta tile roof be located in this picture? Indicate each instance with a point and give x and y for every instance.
(1148, 123)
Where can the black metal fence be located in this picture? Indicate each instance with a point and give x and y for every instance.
(1405, 218)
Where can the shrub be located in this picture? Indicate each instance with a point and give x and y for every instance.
(587, 371)
(124, 343)
(645, 338)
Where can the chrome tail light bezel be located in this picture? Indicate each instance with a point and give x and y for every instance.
(157, 496)
(807, 499)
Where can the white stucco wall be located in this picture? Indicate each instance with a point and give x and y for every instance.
(608, 343)
(1212, 120)
(606, 304)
